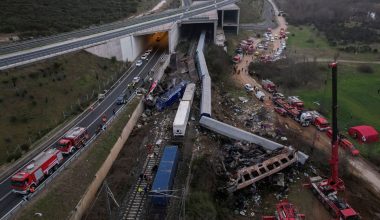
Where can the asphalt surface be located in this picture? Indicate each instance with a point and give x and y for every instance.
(41, 52)
(91, 120)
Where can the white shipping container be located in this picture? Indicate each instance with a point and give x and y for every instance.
(181, 118)
(188, 95)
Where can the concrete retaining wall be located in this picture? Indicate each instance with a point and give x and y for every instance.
(91, 191)
(123, 49)
(107, 50)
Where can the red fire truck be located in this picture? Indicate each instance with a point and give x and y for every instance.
(43, 165)
(285, 211)
(74, 139)
(295, 102)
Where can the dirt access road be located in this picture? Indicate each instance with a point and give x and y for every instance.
(360, 167)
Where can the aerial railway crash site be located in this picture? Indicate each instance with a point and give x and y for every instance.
(252, 160)
(195, 138)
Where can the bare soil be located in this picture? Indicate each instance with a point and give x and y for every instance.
(361, 168)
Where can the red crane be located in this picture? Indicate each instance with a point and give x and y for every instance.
(327, 189)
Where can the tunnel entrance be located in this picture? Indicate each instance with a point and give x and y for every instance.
(192, 31)
(159, 40)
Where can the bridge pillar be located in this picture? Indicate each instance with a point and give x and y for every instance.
(173, 37)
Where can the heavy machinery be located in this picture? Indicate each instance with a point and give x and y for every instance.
(326, 190)
(74, 139)
(285, 211)
(43, 165)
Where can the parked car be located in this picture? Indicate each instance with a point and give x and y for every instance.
(136, 79)
(121, 99)
(139, 62)
(145, 56)
(248, 87)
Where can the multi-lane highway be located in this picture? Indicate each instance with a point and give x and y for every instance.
(91, 120)
(27, 52)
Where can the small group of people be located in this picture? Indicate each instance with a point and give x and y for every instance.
(148, 186)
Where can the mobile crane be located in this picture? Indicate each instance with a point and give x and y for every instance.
(327, 189)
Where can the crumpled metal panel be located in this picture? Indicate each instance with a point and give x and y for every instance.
(238, 134)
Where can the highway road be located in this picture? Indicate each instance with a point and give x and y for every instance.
(91, 120)
(27, 52)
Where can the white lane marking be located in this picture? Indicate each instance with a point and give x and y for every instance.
(6, 195)
(124, 78)
(100, 115)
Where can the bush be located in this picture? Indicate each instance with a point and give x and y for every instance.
(13, 119)
(365, 68)
(25, 147)
(14, 156)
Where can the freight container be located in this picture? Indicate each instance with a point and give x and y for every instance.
(181, 118)
(163, 181)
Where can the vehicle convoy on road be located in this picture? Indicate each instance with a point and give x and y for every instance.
(73, 140)
(44, 164)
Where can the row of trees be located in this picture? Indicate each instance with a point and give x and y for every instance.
(342, 21)
(45, 17)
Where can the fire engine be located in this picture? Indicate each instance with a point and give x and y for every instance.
(43, 165)
(74, 139)
(285, 211)
(295, 102)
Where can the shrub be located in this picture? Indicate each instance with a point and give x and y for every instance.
(365, 68)
(25, 147)
(13, 119)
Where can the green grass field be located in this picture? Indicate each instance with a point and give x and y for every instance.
(308, 41)
(37, 98)
(358, 100)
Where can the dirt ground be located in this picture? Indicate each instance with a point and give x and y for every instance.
(319, 140)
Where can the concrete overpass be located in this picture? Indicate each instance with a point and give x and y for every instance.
(122, 40)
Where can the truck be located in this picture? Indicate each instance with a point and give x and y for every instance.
(344, 143)
(339, 208)
(304, 118)
(295, 102)
(163, 181)
(251, 49)
(171, 96)
(260, 95)
(268, 85)
(72, 140)
(44, 164)
(237, 58)
(285, 211)
(319, 121)
(181, 118)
